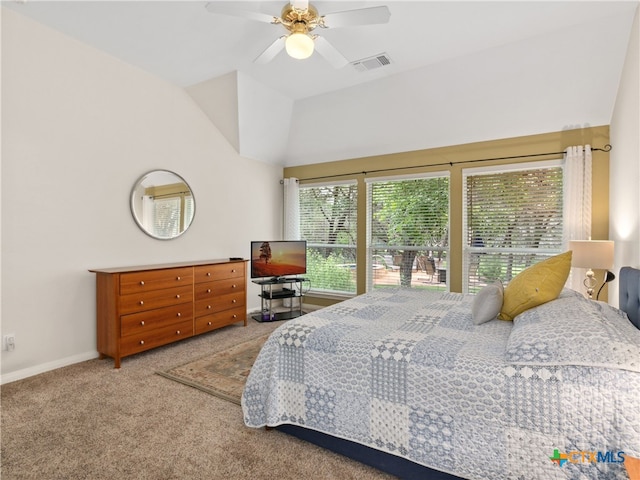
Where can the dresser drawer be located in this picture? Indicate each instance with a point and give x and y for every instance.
(142, 301)
(136, 282)
(219, 287)
(220, 319)
(206, 273)
(137, 323)
(154, 338)
(219, 303)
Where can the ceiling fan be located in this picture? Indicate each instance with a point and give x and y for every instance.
(300, 18)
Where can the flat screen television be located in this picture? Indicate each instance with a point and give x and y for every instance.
(277, 259)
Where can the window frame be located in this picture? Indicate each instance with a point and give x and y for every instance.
(314, 290)
(469, 250)
(446, 250)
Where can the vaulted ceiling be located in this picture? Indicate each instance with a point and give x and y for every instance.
(459, 72)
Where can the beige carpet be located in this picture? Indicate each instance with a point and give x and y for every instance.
(91, 421)
(223, 373)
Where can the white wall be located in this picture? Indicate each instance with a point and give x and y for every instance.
(264, 120)
(218, 99)
(625, 163)
(252, 116)
(78, 128)
(478, 97)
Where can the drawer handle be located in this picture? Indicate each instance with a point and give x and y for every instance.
(141, 302)
(233, 301)
(178, 332)
(233, 270)
(234, 286)
(178, 278)
(208, 290)
(179, 314)
(208, 307)
(209, 323)
(234, 316)
(208, 274)
(141, 282)
(141, 342)
(142, 323)
(178, 296)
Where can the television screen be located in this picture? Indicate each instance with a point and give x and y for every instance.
(279, 258)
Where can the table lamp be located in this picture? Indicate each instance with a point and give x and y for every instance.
(592, 254)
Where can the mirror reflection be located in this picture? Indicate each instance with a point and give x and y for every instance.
(162, 204)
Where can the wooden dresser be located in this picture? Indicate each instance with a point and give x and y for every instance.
(143, 307)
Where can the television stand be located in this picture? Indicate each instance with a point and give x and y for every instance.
(284, 288)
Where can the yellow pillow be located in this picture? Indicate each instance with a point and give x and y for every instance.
(538, 284)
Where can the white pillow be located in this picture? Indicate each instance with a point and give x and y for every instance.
(487, 303)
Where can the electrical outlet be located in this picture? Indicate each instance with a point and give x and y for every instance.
(9, 342)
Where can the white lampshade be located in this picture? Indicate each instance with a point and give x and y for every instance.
(594, 254)
(299, 45)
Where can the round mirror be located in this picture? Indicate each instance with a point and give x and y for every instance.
(162, 204)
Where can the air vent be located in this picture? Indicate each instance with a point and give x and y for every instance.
(372, 63)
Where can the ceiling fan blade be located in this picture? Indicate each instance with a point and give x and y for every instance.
(352, 18)
(213, 7)
(330, 53)
(271, 51)
(300, 4)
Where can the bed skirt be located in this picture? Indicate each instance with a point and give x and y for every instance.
(386, 462)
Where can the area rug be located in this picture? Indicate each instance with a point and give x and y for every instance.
(222, 373)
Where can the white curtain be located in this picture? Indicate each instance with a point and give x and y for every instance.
(291, 209)
(577, 203)
(148, 214)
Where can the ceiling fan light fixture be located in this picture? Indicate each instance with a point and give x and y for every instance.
(299, 44)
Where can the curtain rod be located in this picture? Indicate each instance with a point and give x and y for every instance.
(606, 148)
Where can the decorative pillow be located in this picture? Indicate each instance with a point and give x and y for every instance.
(573, 330)
(538, 284)
(487, 303)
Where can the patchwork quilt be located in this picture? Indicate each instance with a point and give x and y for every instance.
(552, 395)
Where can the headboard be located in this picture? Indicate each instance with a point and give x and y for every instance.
(630, 294)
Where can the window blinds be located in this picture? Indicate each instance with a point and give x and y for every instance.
(407, 226)
(511, 220)
(328, 222)
(171, 214)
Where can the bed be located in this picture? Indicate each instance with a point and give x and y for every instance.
(404, 380)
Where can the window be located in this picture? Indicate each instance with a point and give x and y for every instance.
(408, 228)
(513, 218)
(167, 210)
(328, 223)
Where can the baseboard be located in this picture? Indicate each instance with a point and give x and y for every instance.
(46, 367)
(64, 362)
